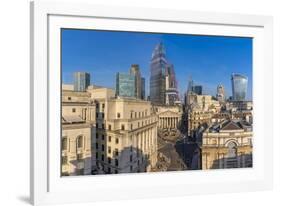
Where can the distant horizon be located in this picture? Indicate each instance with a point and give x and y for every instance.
(210, 60)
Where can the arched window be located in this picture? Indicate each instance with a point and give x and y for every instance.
(80, 142)
(232, 149)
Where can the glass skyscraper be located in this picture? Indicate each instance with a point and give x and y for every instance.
(197, 89)
(142, 88)
(135, 71)
(239, 87)
(81, 81)
(125, 85)
(158, 67)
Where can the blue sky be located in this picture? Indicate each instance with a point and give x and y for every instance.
(210, 60)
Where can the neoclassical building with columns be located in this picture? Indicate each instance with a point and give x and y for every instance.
(169, 117)
(126, 133)
(104, 134)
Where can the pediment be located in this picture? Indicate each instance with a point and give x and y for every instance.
(169, 114)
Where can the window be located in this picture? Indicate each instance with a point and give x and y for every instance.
(109, 170)
(97, 115)
(109, 138)
(97, 125)
(118, 115)
(131, 115)
(116, 162)
(122, 127)
(109, 149)
(109, 127)
(79, 156)
(69, 98)
(116, 141)
(131, 158)
(116, 152)
(102, 137)
(97, 145)
(73, 110)
(64, 143)
(109, 160)
(131, 126)
(102, 126)
(102, 147)
(232, 150)
(116, 172)
(135, 114)
(64, 160)
(102, 157)
(103, 105)
(131, 168)
(138, 124)
(80, 142)
(102, 115)
(97, 155)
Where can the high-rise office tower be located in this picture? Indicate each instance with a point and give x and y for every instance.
(143, 88)
(190, 84)
(125, 85)
(162, 76)
(220, 93)
(158, 66)
(135, 71)
(239, 87)
(81, 81)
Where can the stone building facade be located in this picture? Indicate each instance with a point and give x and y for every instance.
(78, 120)
(227, 144)
(126, 133)
(169, 117)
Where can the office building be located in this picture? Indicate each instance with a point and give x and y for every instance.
(197, 89)
(81, 81)
(125, 85)
(143, 88)
(135, 71)
(239, 87)
(220, 93)
(126, 133)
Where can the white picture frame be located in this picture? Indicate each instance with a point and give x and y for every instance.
(46, 184)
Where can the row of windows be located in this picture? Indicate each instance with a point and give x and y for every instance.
(79, 142)
(139, 114)
(109, 138)
(109, 160)
(79, 157)
(135, 114)
(116, 151)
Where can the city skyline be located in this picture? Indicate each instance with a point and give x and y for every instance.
(99, 53)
